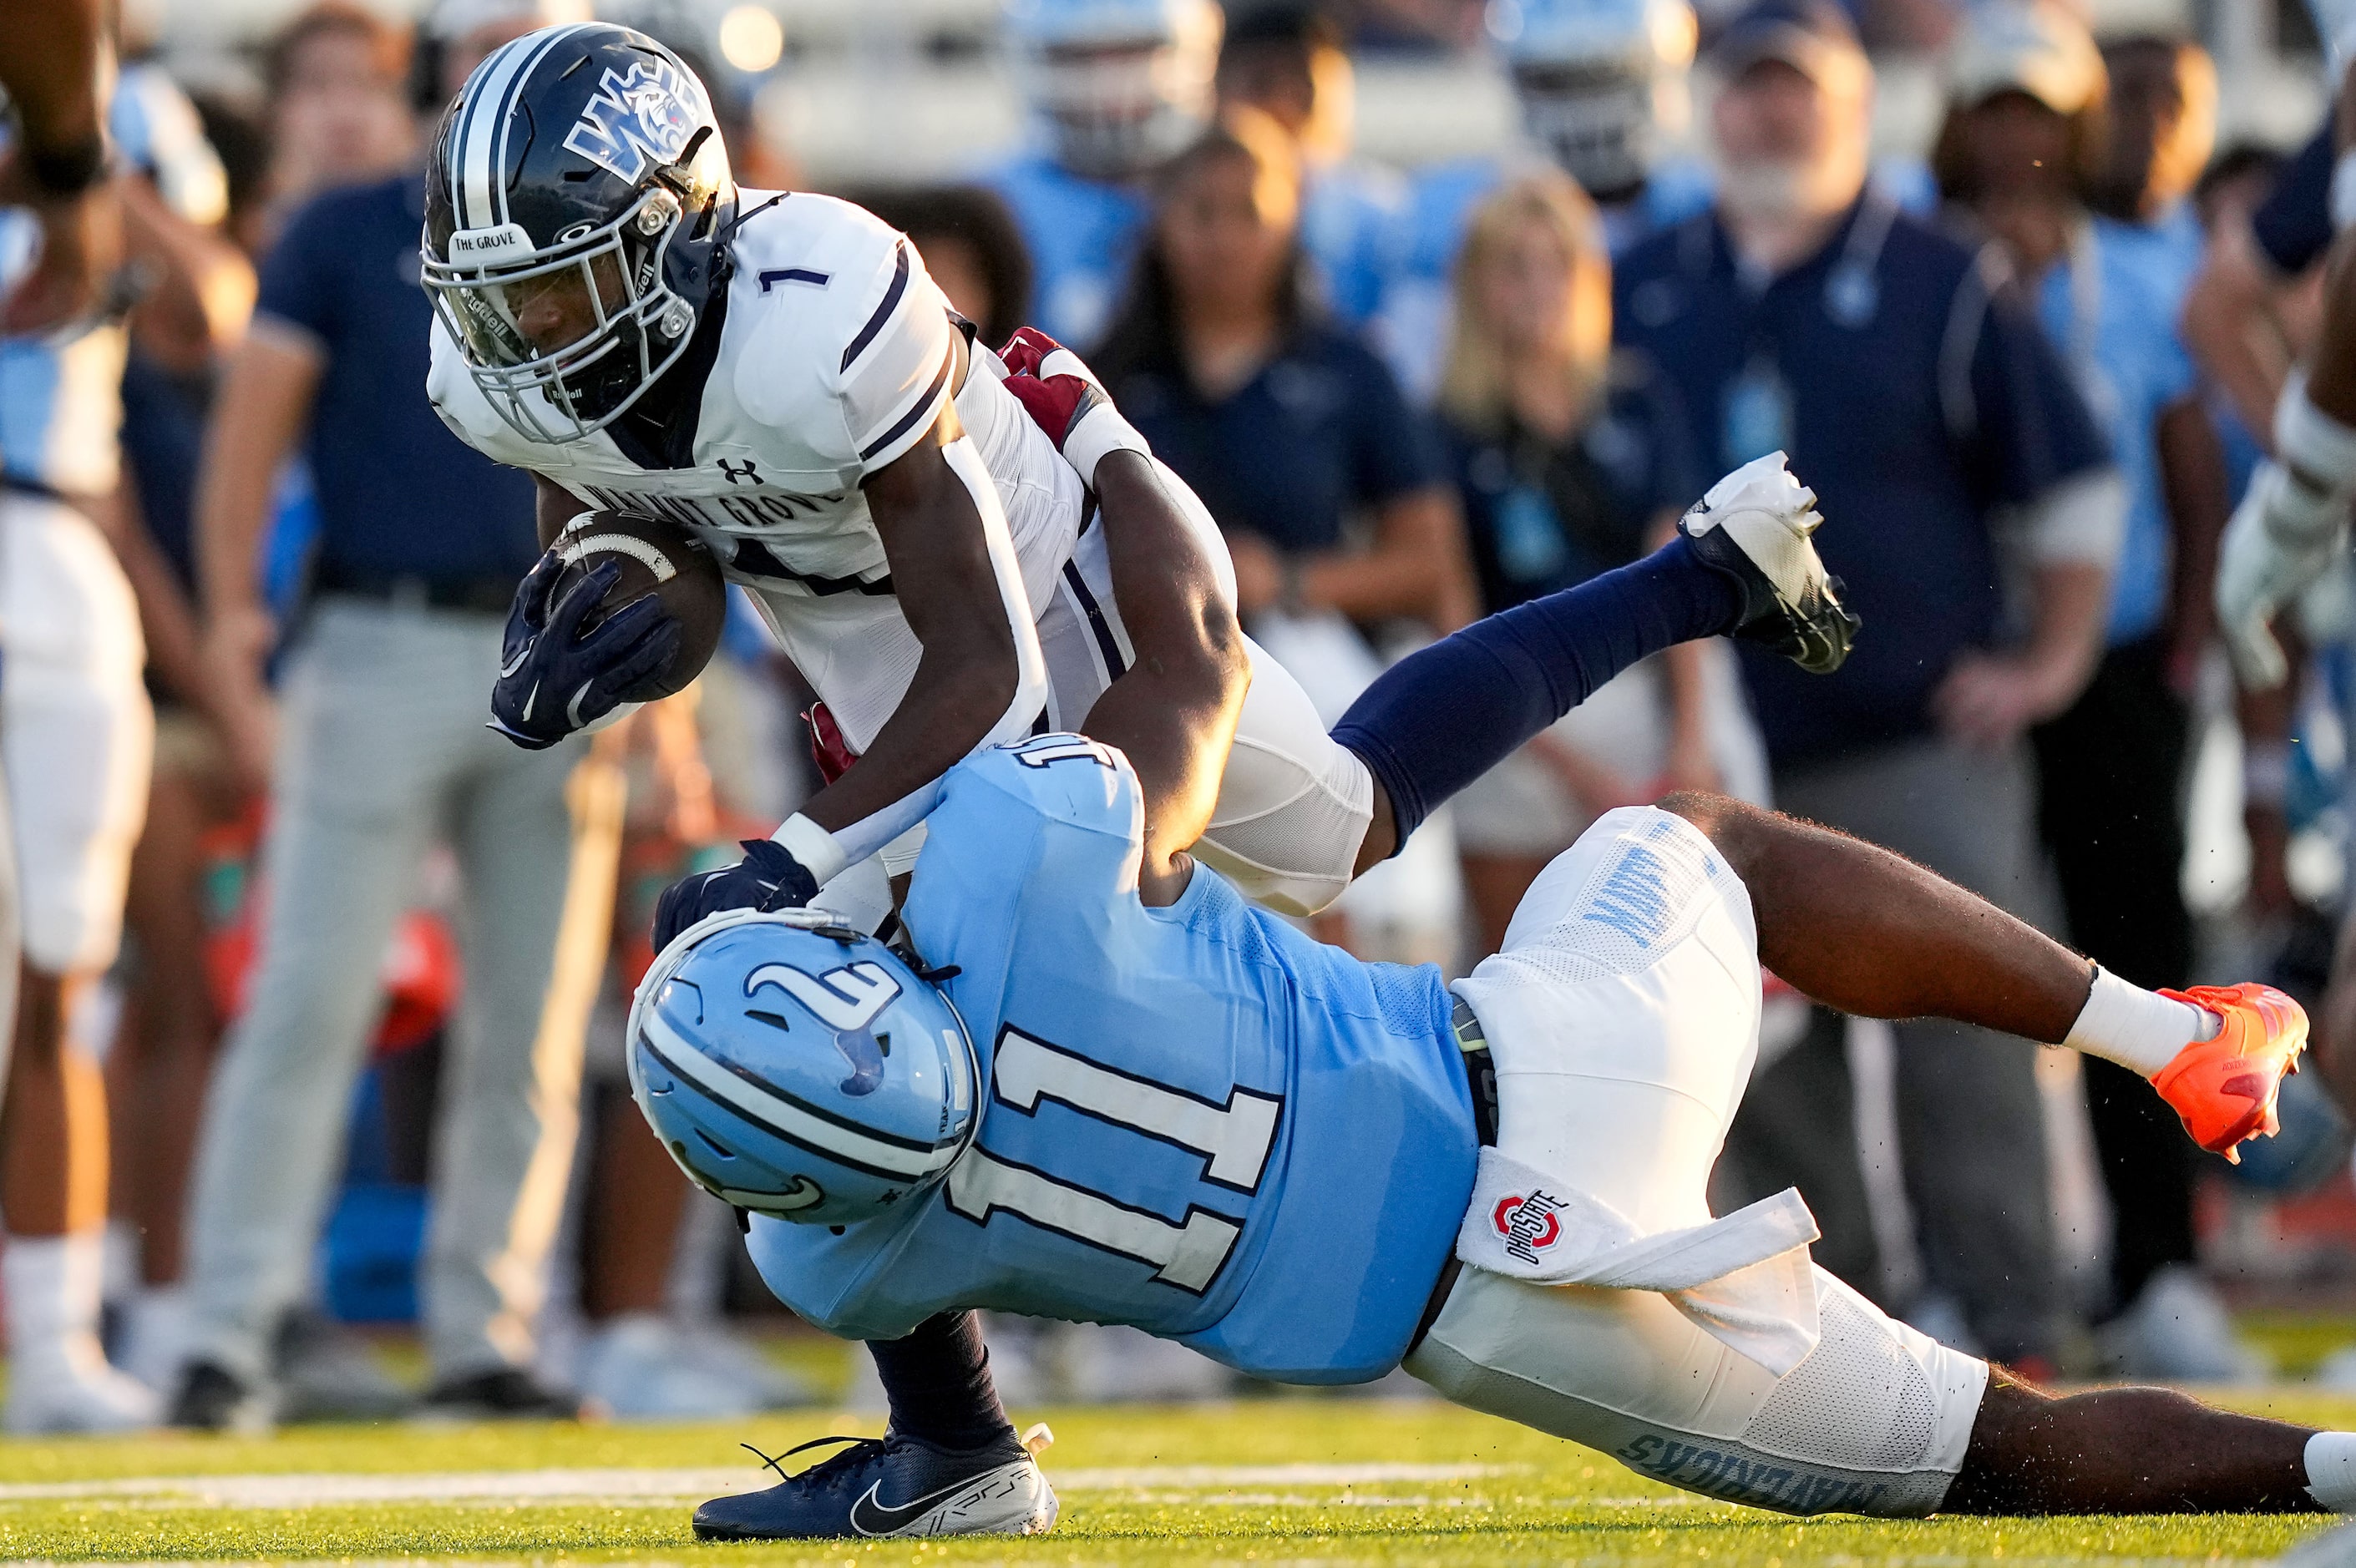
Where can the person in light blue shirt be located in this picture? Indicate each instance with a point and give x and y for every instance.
(2026, 149)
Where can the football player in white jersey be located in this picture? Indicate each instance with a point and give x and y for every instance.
(777, 372)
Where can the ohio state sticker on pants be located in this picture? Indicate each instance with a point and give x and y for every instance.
(1743, 1278)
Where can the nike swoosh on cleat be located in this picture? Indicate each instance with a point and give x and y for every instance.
(507, 671)
(530, 698)
(870, 1515)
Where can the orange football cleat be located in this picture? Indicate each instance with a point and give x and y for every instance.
(2225, 1088)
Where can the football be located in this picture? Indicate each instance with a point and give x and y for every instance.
(658, 558)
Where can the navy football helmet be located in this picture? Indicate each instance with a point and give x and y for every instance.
(577, 205)
(797, 1068)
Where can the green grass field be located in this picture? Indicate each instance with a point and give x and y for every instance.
(1286, 1479)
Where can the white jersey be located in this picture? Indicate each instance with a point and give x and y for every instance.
(837, 355)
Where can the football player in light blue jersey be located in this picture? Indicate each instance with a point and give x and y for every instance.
(1121, 1094)
(76, 743)
(1114, 88)
(1602, 86)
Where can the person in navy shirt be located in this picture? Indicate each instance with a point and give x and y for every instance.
(382, 749)
(1914, 388)
(1289, 429)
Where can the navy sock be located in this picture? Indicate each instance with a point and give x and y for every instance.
(936, 1381)
(1440, 718)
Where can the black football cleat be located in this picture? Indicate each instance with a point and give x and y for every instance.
(1754, 527)
(503, 1393)
(210, 1398)
(894, 1486)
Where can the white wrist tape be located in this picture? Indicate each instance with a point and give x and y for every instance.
(1101, 430)
(821, 853)
(2318, 447)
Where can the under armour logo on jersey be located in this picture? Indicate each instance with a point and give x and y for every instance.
(648, 113)
(844, 998)
(737, 476)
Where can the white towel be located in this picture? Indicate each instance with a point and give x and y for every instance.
(1743, 1277)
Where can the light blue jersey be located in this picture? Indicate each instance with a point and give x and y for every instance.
(62, 392)
(1082, 235)
(2111, 307)
(1195, 1120)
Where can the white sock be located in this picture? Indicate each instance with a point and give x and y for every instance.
(2331, 1471)
(2141, 1031)
(52, 1283)
(121, 1274)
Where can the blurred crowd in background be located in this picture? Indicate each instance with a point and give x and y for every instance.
(323, 1023)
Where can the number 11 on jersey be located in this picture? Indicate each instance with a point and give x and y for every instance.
(1235, 1140)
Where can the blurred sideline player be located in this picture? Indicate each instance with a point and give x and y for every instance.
(377, 752)
(1604, 96)
(53, 69)
(1113, 86)
(77, 735)
(1050, 1135)
(778, 374)
(1116, 88)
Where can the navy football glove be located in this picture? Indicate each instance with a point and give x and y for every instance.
(553, 679)
(767, 878)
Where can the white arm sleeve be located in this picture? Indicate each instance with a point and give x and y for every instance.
(866, 837)
(2081, 521)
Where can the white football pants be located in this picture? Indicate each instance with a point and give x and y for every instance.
(1622, 1019)
(77, 730)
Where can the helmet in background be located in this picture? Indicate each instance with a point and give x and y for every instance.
(797, 1068)
(576, 203)
(1603, 83)
(1117, 85)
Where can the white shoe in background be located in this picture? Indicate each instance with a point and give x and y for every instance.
(640, 1367)
(59, 1379)
(725, 1353)
(2176, 1329)
(72, 1390)
(155, 1336)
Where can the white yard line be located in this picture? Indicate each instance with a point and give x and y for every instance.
(628, 1487)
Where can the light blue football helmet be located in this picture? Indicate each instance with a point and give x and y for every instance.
(797, 1068)
(1116, 86)
(1604, 85)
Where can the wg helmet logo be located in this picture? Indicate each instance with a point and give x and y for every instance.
(648, 113)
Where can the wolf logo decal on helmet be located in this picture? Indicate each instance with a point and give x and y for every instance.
(636, 117)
